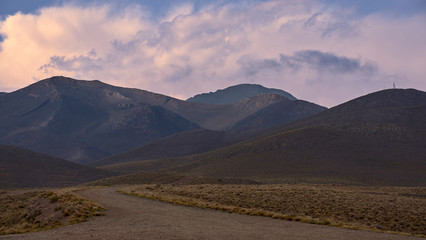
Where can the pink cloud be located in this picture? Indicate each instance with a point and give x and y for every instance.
(335, 55)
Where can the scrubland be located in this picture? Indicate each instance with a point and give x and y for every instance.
(40, 210)
(165, 178)
(399, 210)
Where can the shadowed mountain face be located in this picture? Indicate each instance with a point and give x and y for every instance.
(83, 121)
(375, 139)
(237, 93)
(23, 168)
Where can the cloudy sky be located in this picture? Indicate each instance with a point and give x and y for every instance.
(323, 51)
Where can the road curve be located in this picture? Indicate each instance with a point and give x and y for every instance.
(130, 217)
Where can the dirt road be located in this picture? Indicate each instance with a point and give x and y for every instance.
(130, 217)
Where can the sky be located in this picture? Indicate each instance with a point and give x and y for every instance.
(322, 51)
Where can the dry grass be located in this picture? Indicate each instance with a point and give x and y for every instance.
(164, 178)
(40, 210)
(385, 209)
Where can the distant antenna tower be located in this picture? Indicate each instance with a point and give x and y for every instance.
(394, 85)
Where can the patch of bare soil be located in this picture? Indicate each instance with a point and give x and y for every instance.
(130, 217)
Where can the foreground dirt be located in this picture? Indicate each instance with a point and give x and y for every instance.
(130, 217)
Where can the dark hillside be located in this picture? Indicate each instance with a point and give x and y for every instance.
(20, 168)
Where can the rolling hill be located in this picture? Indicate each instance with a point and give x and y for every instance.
(237, 93)
(377, 139)
(21, 168)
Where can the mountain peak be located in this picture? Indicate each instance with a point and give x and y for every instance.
(61, 81)
(59, 84)
(237, 93)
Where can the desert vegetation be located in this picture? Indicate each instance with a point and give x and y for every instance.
(40, 210)
(165, 178)
(386, 209)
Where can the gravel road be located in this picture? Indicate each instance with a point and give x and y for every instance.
(130, 217)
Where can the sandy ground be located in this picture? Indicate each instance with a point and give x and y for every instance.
(130, 217)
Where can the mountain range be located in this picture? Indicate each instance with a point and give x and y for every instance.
(376, 139)
(83, 121)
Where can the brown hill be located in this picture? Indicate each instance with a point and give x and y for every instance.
(377, 139)
(20, 168)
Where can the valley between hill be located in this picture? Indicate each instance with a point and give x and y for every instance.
(130, 217)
